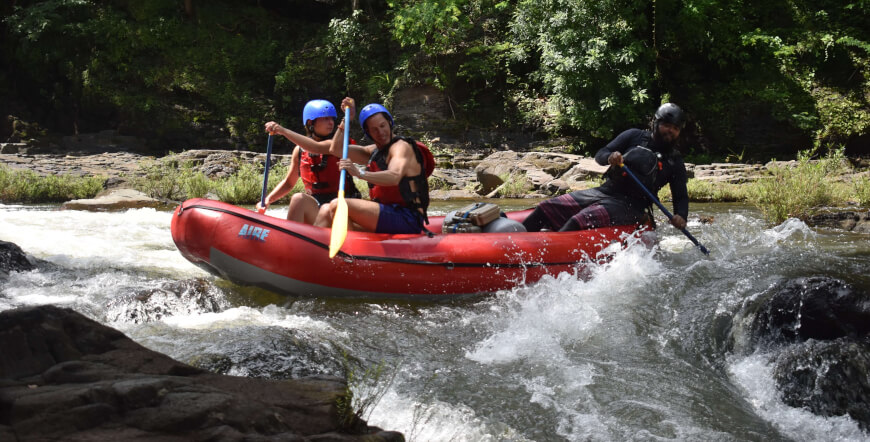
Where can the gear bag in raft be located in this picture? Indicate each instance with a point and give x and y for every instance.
(645, 164)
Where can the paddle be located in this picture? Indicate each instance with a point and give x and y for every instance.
(339, 222)
(266, 176)
(656, 200)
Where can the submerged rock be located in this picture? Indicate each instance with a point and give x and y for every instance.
(196, 295)
(810, 308)
(829, 378)
(66, 377)
(818, 330)
(273, 353)
(13, 259)
(852, 221)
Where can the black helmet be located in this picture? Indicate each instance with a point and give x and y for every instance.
(671, 113)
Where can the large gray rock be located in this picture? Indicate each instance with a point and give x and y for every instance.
(116, 199)
(852, 221)
(66, 377)
(13, 259)
(547, 173)
(222, 163)
(727, 172)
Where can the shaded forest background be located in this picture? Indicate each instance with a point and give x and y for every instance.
(758, 79)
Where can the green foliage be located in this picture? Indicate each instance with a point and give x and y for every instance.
(565, 67)
(358, 48)
(164, 179)
(593, 62)
(244, 187)
(171, 180)
(515, 185)
(152, 63)
(25, 186)
(798, 190)
(862, 191)
(457, 45)
(709, 191)
(842, 115)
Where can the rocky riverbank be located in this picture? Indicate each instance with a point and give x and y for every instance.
(66, 377)
(469, 174)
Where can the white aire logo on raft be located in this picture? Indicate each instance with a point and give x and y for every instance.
(251, 232)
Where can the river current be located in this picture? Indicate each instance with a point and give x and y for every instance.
(642, 349)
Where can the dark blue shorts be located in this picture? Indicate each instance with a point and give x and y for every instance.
(324, 198)
(397, 219)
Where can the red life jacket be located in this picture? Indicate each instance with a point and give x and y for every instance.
(402, 194)
(320, 173)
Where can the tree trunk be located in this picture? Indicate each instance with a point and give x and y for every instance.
(188, 8)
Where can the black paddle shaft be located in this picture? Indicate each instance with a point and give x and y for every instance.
(662, 207)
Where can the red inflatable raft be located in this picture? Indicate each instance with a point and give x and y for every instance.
(292, 258)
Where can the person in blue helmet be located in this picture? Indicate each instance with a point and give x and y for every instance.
(395, 172)
(651, 155)
(319, 172)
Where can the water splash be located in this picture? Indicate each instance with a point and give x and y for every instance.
(754, 374)
(791, 231)
(133, 239)
(432, 420)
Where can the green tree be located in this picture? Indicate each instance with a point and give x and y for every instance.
(595, 64)
(459, 46)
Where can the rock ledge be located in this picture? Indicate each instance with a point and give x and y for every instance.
(66, 377)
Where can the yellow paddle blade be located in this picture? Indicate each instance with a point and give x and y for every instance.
(339, 225)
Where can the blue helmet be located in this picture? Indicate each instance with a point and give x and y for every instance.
(368, 111)
(315, 109)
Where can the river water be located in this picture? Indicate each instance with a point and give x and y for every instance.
(641, 350)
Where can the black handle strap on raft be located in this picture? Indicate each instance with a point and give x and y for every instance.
(662, 207)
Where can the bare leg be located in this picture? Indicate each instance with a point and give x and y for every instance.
(303, 208)
(362, 213)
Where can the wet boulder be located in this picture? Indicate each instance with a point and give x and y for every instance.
(848, 220)
(829, 378)
(116, 200)
(818, 308)
(544, 172)
(818, 331)
(66, 377)
(13, 259)
(279, 353)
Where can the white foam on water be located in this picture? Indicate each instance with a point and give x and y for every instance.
(431, 420)
(136, 238)
(554, 312)
(247, 316)
(791, 230)
(544, 321)
(68, 288)
(754, 374)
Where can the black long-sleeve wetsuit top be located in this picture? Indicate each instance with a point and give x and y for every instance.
(673, 168)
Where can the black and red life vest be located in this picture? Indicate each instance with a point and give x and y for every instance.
(320, 173)
(413, 197)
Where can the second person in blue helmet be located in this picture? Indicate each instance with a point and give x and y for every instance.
(395, 172)
(319, 172)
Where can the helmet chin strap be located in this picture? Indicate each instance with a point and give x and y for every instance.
(322, 137)
(317, 136)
